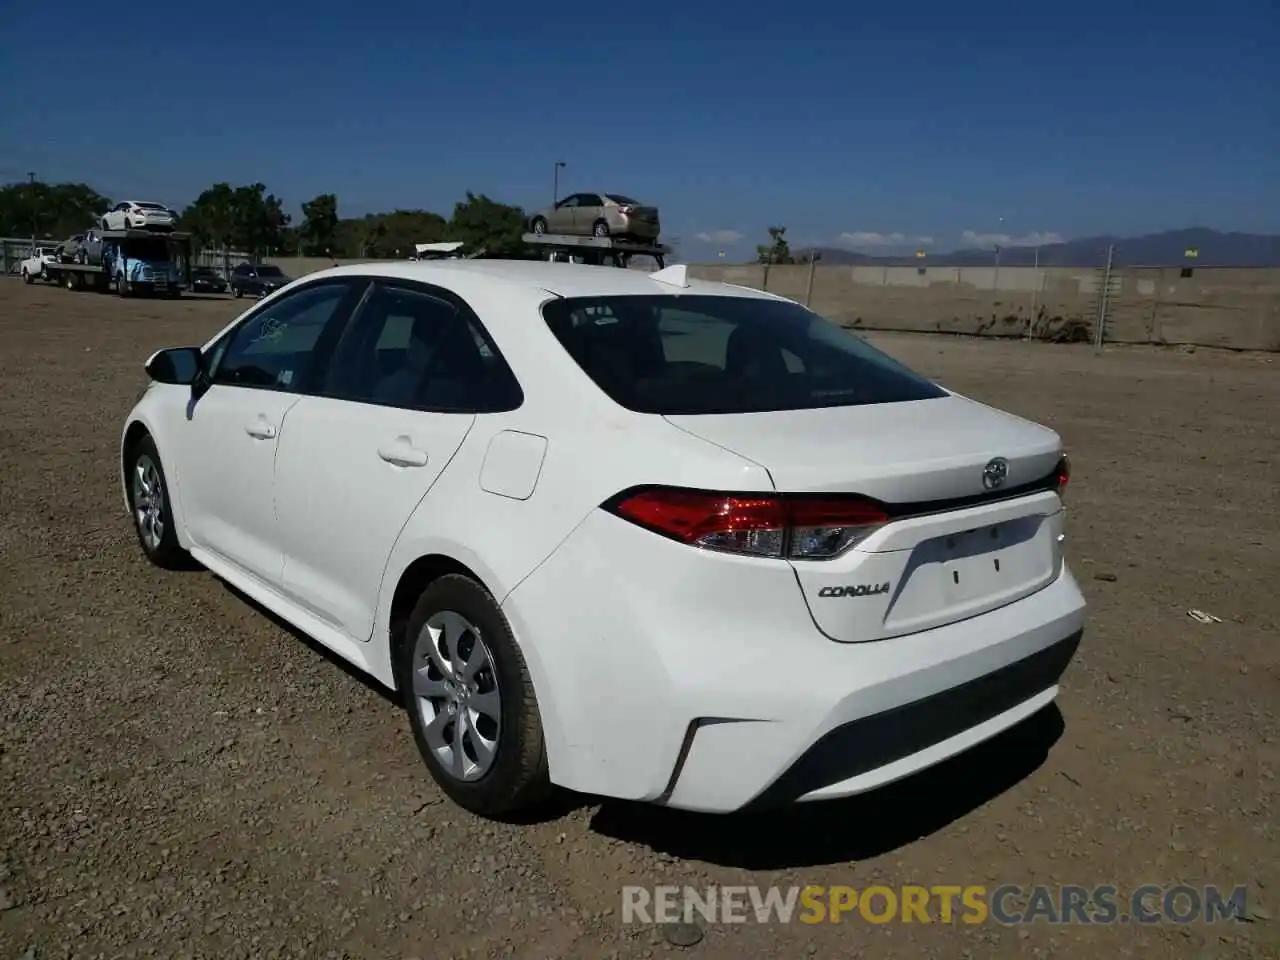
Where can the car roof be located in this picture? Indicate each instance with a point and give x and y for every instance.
(541, 276)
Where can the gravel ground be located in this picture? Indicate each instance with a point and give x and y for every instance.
(182, 776)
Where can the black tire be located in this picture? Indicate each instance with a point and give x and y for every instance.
(518, 778)
(539, 225)
(122, 286)
(599, 229)
(26, 277)
(237, 292)
(165, 553)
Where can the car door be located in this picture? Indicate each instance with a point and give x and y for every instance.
(590, 208)
(401, 394)
(560, 220)
(228, 443)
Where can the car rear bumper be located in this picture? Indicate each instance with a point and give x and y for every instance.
(702, 683)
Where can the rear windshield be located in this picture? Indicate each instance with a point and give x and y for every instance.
(267, 271)
(149, 206)
(669, 354)
(625, 201)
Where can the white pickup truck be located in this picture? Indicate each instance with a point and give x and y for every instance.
(35, 267)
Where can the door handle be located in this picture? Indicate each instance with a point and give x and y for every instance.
(261, 430)
(403, 453)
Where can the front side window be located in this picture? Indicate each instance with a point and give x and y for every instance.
(275, 348)
(670, 354)
(409, 348)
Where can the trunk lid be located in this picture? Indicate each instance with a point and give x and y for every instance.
(938, 560)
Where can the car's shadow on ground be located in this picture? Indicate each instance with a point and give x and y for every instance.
(837, 831)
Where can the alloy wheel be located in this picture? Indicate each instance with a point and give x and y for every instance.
(148, 502)
(455, 682)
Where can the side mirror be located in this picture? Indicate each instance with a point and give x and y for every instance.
(179, 365)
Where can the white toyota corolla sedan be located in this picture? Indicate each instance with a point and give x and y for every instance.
(638, 535)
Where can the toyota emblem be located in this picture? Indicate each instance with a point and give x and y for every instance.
(995, 473)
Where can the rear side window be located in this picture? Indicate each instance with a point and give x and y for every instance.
(671, 354)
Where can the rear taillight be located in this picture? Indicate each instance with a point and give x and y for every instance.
(1063, 475)
(625, 208)
(761, 525)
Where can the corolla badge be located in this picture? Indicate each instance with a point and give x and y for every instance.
(995, 473)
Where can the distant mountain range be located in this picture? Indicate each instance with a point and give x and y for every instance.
(1215, 249)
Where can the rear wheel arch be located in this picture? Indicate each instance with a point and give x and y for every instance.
(434, 559)
(419, 575)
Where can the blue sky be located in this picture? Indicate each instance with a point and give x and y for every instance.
(885, 129)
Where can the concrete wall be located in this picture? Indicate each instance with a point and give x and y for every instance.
(1219, 307)
(1235, 308)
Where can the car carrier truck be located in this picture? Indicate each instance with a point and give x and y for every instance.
(129, 262)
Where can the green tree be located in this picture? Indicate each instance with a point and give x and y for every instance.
(403, 228)
(290, 242)
(371, 232)
(318, 232)
(211, 217)
(52, 210)
(482, 223)
(382, 235)
(245, 219)
(259, 220)
(778, 250)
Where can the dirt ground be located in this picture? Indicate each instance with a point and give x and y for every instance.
(180, 776)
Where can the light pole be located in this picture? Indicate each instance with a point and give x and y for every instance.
(555, 182)
(35, 211)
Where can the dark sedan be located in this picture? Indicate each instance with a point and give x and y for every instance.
(207, 280)
(257, 280)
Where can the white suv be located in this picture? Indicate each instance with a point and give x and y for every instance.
(633, 534)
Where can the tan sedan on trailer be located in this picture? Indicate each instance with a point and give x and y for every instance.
(598, 215)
